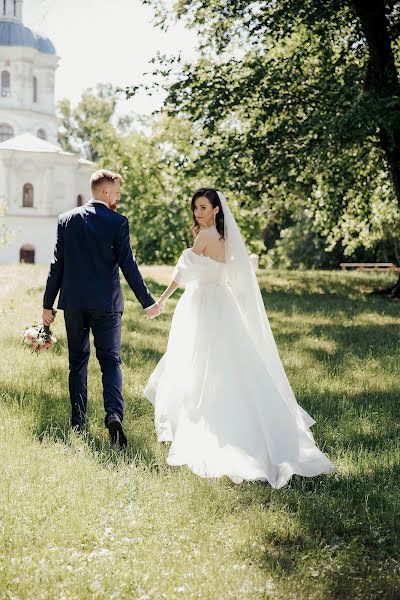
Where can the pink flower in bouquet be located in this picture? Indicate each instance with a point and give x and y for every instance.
(39, 338)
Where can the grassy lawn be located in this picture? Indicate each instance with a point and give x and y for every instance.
(78, 521)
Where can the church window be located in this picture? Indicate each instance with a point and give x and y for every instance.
(5, 83)
(41, 134)
(79, 200)
(15, 8)
(27, 196)
(27, 254)
(35, 89)
(6, 132)
(4, 7)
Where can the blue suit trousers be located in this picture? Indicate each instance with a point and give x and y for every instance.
(106, 329)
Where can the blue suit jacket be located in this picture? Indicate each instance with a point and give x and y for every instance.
(92, 243)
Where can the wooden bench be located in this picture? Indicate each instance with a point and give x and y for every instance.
(370, 266)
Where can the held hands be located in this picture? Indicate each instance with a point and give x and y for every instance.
(157, 309)
(153, 311)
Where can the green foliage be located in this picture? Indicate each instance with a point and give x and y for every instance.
(88, 127)
(297, 246)
(281, 101)
(156, 191)
(157, 160)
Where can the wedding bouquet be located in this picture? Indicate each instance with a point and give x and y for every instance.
(39, 338)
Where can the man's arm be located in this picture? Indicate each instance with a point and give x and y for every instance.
(55, 275)
(129, 267)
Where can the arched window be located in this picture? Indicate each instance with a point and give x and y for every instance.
(41, 134)
(79, 200)
(15, 8)
(27, 196)
(4, 7)
(6, 132)
(35, 89)
(5, 83)
(27, 254)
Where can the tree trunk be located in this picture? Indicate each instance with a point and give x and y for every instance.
(397, 250)
(382, 81)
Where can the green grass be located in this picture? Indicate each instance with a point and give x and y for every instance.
(78, 521)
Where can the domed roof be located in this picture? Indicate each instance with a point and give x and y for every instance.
(15, 34)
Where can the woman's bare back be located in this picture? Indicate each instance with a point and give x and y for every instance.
(215, 246)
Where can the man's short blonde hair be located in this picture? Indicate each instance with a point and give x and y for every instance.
(103, 176)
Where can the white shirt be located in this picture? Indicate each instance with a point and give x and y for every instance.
(101, 202)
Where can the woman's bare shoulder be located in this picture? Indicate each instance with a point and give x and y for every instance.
(203, 234)
(211, 233)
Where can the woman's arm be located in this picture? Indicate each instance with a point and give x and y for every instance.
(168, 292)
(198, 247)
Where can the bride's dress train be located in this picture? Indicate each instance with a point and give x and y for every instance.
(224, 410)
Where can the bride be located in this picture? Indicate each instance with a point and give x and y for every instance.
(220, 392)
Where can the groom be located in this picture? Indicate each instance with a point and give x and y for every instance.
(92, 244)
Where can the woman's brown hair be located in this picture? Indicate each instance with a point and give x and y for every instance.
(212, 196)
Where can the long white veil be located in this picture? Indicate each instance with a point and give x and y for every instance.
(243, 282)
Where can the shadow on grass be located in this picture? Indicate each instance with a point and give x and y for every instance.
(51, 419)
(346, 530)
(348, 533)
(137, 453)
(138, 357)
(351, 329)
(306, 302)
(326, 283)
(140, 325)
(345, 523)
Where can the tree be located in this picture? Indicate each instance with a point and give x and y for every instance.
(88, 128)
(298, 102)
(155, 194)
(156, 198)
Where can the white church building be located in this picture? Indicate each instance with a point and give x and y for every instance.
(38, 179)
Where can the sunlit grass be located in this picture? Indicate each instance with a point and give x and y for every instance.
(79, 521)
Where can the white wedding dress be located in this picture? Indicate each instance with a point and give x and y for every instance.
(215, 397)
(220, 392)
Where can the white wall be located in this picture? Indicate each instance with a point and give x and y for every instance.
(57, 180)
(40, 232)
(29, 122)
(19, 110)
